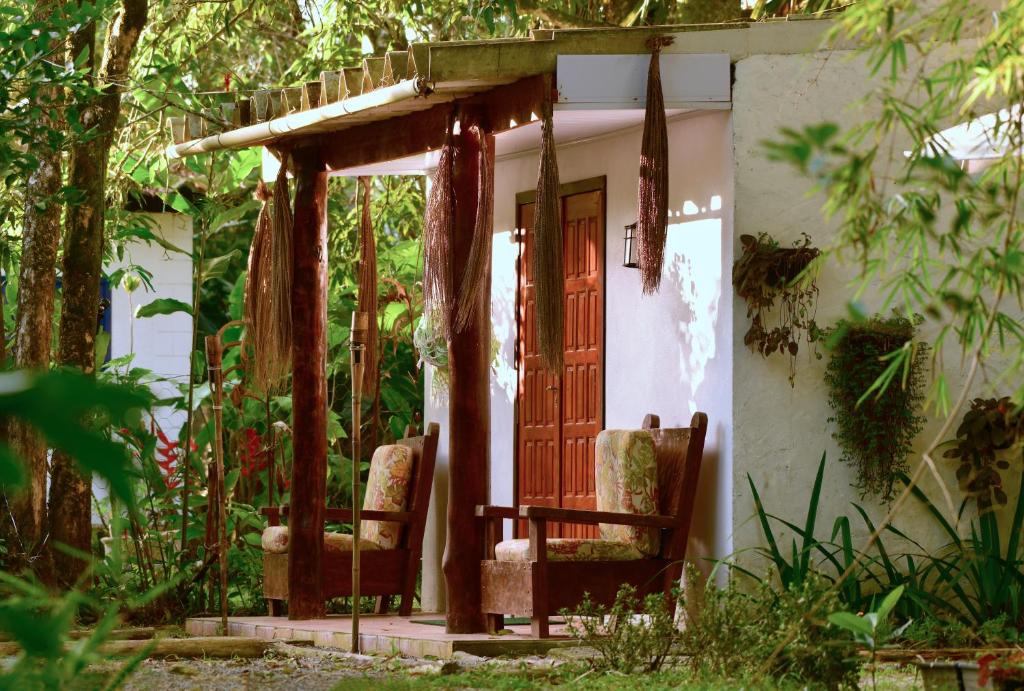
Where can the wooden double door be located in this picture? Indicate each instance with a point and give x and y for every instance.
(560, 413)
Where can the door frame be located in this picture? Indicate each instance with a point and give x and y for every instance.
(597, 183)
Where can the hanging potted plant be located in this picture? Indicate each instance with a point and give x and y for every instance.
(990, 435)
(875, 425)
(768, 275)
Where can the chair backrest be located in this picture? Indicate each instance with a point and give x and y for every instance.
(424, 455)
(679, 452)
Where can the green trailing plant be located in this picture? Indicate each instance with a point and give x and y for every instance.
(990, 435)
(875, 380)
(767, 275)
(625, 642)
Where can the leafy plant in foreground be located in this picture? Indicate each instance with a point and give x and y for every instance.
(630, 636)
(872, 629)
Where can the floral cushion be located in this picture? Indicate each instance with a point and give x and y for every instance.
(627, 482)
(570, 549)
(387, 489)
(275, 541)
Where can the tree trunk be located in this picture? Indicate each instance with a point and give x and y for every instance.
(70, 510)
(34, 317)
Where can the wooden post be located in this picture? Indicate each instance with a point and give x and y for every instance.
(309, 388)
(469, 410)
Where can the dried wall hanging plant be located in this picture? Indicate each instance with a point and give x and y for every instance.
(767, 274)
(875, 381)
(989, 437)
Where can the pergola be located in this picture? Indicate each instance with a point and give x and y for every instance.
(355, 119)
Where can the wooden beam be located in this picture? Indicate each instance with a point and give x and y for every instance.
(469, 409)
(424, 131)
(309, 388)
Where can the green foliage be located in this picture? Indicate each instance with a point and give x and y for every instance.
(630, 636)
(978, 578)
(872, 629)
(939, 239)
(991, 433)
(739, 632)
(162, 306)
(766, 275)
(69, 409)
(876, 422)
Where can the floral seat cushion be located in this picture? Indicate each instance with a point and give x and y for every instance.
(275, 541)
(387, 489)
(627, 482)
(570, 549)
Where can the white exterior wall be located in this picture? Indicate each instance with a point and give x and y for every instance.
(162, 343)
(669, 354)
(781, 431)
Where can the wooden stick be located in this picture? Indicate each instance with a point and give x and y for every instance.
(213, 358)
(360, 325)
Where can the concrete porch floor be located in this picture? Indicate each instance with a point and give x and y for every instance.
(387, 635)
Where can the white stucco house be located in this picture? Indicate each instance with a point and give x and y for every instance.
(727, 89)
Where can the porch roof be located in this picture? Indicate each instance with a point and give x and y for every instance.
(429, 75)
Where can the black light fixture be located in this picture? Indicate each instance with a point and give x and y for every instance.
(629, 255)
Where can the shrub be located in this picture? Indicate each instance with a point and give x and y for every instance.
(783, 634)
(632, 635)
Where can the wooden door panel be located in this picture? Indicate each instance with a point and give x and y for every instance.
(560, 415)
(539, 432)
(581, 381)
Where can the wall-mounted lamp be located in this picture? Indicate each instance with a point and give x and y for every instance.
(629, 251)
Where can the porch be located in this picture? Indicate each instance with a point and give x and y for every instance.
(422, 635)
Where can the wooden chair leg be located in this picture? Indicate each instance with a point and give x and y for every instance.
(383, 604)
(275, 608)
(495, 623)
(412, 569)
(539, 577)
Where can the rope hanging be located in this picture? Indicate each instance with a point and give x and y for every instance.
(652, 196)
(281, 277)
(368, 289)
(474, 278)
(256, 298)
(548, 271)
(438, 228)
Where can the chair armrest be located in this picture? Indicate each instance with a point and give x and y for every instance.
(333, 514)
(551, 513)
(368, 515)
(483, 511)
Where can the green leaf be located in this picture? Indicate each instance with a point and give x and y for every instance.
(162, 306)
(217, 267)
(889, 603)
(851, 622)
(12, 475)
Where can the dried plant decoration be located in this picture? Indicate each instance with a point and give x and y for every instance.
(474, 277)
(256, 297)
(368, 289)
(652, 195)
(281, 276)
(548, 270)
(438, 227)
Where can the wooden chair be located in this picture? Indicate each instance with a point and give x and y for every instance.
(385, 572)
(537, 586)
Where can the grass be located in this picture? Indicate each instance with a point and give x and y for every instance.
(890, 678)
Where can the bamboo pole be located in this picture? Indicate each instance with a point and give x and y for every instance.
(360, 325)
(213, 358)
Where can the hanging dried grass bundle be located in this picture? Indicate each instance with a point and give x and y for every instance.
(281, 276)
(438, 227)
(256, 301)
(548, 271)
(368, 289)
(474, 278)
(652, 197)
